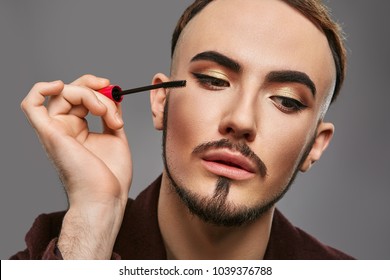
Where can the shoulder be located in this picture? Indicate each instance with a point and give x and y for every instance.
(312, 248)
(290, 242)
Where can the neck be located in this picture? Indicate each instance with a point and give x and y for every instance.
(187, 237)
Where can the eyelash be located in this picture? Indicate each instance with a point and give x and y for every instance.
(211, 82)
(290, 105)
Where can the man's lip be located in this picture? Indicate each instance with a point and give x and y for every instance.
(230, 164)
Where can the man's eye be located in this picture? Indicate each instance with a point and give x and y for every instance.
(211, 82)
(288, 104)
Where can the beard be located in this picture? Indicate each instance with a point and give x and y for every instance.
(216, 209)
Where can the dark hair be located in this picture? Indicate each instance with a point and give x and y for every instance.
(314, 10)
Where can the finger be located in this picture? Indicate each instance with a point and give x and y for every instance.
(117, 130)
(91, 81)
(76, 96)
(33, 104)
(79, 111)
(112, 120)
(73, 98)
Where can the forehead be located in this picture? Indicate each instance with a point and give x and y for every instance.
(262, 35)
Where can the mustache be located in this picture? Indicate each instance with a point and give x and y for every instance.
(242, 148)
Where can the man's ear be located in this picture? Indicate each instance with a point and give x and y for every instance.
(158, 98)
(324, 134)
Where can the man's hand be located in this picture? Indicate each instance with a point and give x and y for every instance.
(95, 168)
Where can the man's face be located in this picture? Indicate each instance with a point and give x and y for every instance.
(258, 77)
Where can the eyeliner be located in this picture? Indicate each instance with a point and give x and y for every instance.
(115, 93)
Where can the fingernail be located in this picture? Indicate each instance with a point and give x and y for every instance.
(118, 118)
(99, 102)
(103, 80)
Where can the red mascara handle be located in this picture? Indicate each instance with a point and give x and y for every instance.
(112, 92)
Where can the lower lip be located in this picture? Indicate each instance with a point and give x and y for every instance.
(227, 171)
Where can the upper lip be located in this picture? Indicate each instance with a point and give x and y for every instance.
(229, 157)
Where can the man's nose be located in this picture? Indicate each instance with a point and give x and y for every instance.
(239, 120)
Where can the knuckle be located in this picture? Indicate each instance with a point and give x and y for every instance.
(38, 85)
(24, 104)
(88, 77)
(84, 80)
(87, 93)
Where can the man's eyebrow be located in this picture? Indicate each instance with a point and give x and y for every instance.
(219, 59)
(289, 76)
(282, 76)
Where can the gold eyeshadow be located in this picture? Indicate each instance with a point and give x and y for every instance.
(288, 92)
(215, 74)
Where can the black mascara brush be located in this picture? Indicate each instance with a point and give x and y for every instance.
(116, 93)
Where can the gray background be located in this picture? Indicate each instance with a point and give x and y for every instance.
(343, 200)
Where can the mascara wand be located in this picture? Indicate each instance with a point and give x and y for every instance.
(115, 93)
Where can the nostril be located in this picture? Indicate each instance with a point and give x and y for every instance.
(229, 130)
(248, 135)
(237, 133)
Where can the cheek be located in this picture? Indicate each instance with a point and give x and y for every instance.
(189, 124)
(282, 143)
(192, 120)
